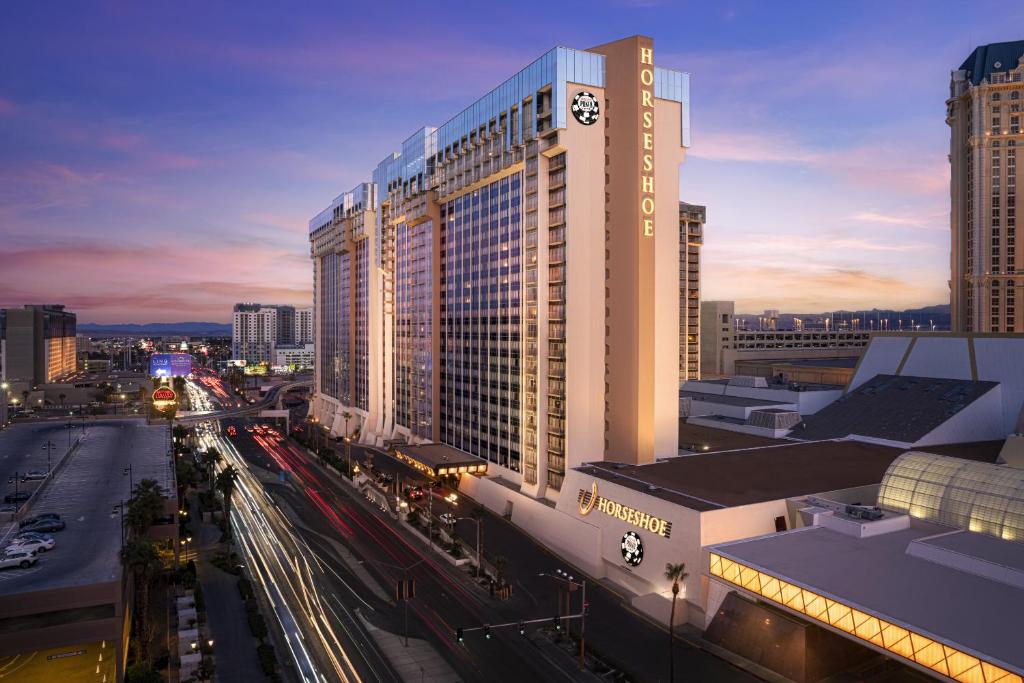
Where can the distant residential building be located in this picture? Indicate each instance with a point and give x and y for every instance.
(723, 344)
(692, 218)
(294, 355)
(986, 95)
(37, 344)
(304, 325)
(258, 329)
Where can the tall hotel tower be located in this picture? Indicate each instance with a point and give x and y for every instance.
(508, 284)
(986, 95)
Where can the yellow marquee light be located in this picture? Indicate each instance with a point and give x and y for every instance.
(912, 646)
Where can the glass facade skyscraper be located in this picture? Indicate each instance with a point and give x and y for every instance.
(521, 291)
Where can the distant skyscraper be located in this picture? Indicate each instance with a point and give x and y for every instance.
(508, 283)
(303, 326)
(37, 344)
(984, 116)
(257, 330)
(692, 218)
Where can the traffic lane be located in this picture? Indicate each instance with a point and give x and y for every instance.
(527, 559)
(294, 581)
(438, 593)
(614, 630)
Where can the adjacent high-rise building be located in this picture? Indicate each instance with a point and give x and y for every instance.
(692, 218)
(258, 329)
(984, 115)
(37, 344)
(509, 284)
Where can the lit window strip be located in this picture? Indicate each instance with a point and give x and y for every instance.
(912, 646)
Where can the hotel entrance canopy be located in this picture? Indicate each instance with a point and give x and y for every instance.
(438, 460)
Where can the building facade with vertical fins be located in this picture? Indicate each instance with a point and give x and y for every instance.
(509, 282)
(984, 116)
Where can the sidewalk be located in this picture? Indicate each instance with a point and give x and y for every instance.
(234, 647)
(418, 662)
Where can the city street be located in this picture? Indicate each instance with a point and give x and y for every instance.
(621, 637)
(324, 638)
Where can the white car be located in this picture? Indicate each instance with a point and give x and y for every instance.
(38, 545)
(18, 558)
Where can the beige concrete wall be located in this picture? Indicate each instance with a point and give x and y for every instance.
(665, 413)
(585, 283)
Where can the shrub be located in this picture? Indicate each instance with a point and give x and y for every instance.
(268, 662)
(197, 596)
(245, 588)
(257, 625)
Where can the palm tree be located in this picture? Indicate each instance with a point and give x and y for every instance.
(675, 573)
(145, 506)
(62, 397)
(226, 485)
(141, 558)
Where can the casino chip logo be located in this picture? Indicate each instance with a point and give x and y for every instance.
(585, 108)
(632, 548)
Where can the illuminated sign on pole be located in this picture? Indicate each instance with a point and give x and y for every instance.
(164, 396)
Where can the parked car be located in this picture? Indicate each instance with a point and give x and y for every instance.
(19, 497)
(34, 544)
(18, 558)
(45, 526)
(38, 518)
(8, 507)
(34, 534)
(448, 519)
(34, 475)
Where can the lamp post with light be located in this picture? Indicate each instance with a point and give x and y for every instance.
(4, 386)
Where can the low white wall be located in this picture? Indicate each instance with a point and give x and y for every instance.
(573, 539)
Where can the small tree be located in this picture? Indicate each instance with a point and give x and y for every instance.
(62, 398)
(226, 485)
(676, 573)
(142, 560)
(145, 506)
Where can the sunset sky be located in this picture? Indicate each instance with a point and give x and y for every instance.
(160, 161)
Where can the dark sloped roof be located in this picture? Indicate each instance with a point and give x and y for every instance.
(891, 407)
(708, 481)
(982, 61)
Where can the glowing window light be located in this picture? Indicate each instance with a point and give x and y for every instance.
(912, 646)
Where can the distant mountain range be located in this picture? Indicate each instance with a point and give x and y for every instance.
(185, 329)
(873, 319)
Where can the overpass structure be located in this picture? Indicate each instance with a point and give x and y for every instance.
(271, 402)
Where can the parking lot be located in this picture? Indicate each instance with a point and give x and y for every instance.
(24, 448)
(85, 494)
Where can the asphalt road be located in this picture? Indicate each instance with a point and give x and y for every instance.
(618, 634)
(445, 597)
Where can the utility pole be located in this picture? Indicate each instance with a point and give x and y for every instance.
(49, 446)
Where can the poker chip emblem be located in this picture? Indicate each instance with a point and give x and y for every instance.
(585, 108)
(632, 548)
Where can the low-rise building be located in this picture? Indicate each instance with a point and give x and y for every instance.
(723, 345)
(294, 356)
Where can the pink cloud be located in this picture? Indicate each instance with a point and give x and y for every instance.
(7, 107)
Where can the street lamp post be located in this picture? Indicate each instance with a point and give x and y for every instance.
(48, 447)
(127, 472)
(348, 454)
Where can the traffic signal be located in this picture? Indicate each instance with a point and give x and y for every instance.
(557, 623)
(459, 635)
(522, 628)
(487, 632)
